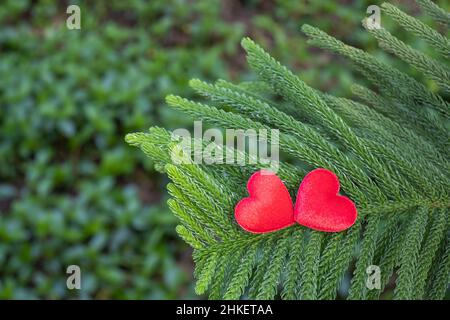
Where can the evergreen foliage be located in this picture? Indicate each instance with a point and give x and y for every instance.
(390, 152)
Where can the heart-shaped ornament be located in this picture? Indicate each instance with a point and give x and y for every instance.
(269, 206)
(320, 207)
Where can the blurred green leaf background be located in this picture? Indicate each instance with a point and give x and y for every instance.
(71, 190)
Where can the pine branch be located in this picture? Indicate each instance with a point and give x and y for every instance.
(436, 233)
(215, 219)
(358, 289)
(429, 66)
(294, 265)
(393, 78)
(413, 25)
(241, 278)
(284, 107)
(421, 119)
(206, 275)
(217, 287)
(382, 130)
(409, 256)
(268, 287)
(190, 218)
(262, 268)
(411, 122)
(188, 236)
(389, 253)
(335, 260)
(310, 275)
(434, 11)
(439, 280)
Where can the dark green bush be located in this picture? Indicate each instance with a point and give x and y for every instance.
(67, 99)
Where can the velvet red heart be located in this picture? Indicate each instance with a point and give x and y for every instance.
(269, 206)
(320, 207)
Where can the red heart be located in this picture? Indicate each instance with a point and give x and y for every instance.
(320, 207)
(269, 206)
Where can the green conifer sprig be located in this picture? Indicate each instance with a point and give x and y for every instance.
(434, 11)
(418, 28)
(390, 152)
(429, 66)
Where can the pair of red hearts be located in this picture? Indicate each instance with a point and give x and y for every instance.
(318, 206)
